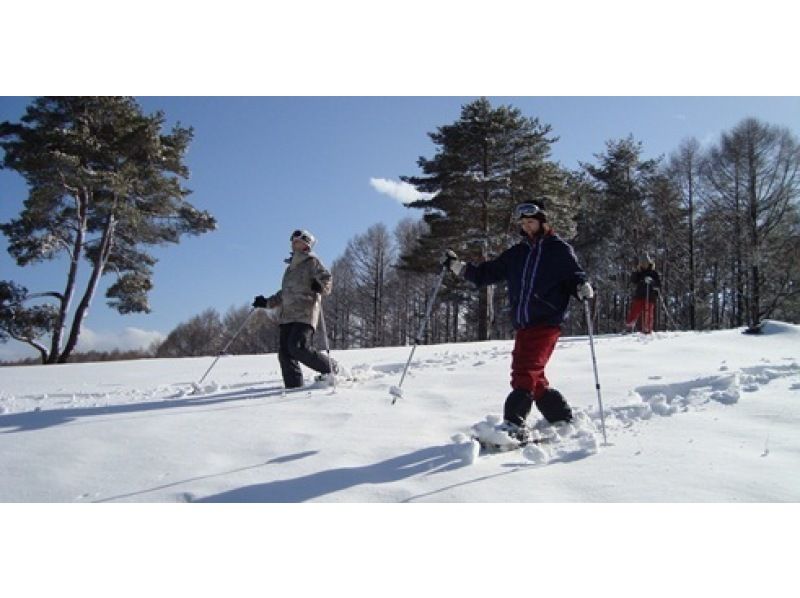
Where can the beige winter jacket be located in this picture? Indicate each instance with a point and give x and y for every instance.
(296, 300)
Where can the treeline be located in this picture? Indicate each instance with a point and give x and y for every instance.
(92, 356)
(204, 334)
(721, 222)
(209, 332)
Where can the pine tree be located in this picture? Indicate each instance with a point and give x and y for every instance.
(20, 323)
(486, 162)
(104, 185)
(615, 227)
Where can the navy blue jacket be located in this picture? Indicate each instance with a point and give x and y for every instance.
(541, 275)
(642, 292)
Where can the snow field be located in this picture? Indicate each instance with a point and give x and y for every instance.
(689, 417)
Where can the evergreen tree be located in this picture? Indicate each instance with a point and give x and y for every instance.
(486, 162)
(615, 226)
(622, 183)
(104, 185)
(20, 323)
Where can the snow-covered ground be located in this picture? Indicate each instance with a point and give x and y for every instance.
(690, 417)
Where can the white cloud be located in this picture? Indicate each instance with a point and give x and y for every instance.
(89, 340)
(128, 338)
(399, 190)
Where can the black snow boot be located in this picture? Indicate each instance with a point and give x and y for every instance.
(553, 407)
(518, 406)
(522, 434)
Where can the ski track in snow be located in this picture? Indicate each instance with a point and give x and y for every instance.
(364, 373)
(643, 402)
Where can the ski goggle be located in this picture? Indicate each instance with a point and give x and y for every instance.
(526, 210)
(304, 236)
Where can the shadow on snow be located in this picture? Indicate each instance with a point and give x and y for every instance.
(425, 461)
(38, 420)
(276, 460)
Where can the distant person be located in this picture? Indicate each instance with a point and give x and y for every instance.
(299, 302)
(542, 273)
(647, 284)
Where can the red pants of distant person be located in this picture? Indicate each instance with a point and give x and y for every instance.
(532, 350)
(644, 308)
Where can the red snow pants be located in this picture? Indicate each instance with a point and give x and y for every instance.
(532, 350)
(639, 306)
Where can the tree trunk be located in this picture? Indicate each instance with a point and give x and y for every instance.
(738, 308)
(715, 315)
(755, 253)
(692, 273)
(91, 288)
(455, 321)
(77, 252)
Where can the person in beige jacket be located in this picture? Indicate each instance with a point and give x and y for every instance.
(299, 303)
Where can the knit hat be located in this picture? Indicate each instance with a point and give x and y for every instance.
(305, 236)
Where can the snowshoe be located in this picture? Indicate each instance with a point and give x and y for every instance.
(340, 374)
(539, 442)
(496, 436)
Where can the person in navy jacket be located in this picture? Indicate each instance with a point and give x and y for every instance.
(542, 273)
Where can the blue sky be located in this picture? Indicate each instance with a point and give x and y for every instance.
(267, 165)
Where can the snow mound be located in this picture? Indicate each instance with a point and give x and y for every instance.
(488, 432)
(464, 448)
(536, 454)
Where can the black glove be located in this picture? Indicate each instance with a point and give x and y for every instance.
(260, 301)
(315, 286)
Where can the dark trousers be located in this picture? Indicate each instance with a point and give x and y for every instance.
(296, 347)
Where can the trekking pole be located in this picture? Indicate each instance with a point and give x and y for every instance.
(596, 376)
(396, 391)
(325, 335)
(196, 385)
(648, 325)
